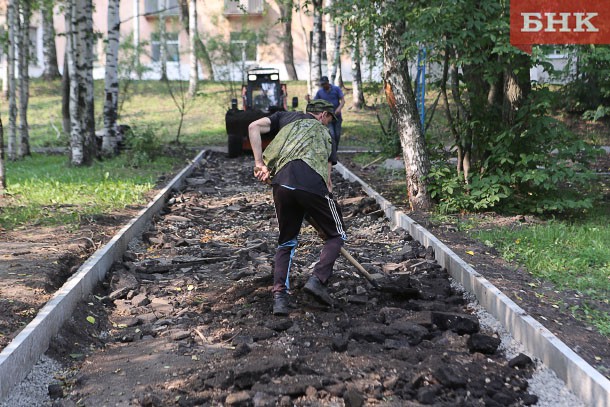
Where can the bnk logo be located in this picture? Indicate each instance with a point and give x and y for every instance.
(559, 22)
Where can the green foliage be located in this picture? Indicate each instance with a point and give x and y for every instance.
(536, 166)
(143, 146)
(588, 72)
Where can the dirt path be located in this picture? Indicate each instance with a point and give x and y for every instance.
(186, 318)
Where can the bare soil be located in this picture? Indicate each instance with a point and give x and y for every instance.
(186, 318)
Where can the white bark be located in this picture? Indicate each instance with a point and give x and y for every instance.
(338, 75)
(193, 38)
(111, 80)
(80, 24)
(13, 24)
(331, 35)
(401, 99)
(23, 147)
(76, 142)
(163, 43)
(316, 46)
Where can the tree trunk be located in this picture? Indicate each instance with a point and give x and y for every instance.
(82, 136)
(357, 91)
(111, 80)
(401, 99)
(2, 166)
(286, 15)
(13, 26)
(316, 47)
(193, 39)
(163, 44)
(338, 72)
(65, 92)
(88, 83)
(23, 148)
(331, 35)
(517, 87)
(49, 50)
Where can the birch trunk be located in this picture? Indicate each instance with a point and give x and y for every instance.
(13, 24)
(65, 91)
(338, 73)
(111, 80)
(162, 44)
(331, 35)
(49, 50)
(23, 148)
(193, 38)
(316, 46)
(401, 99)
(82, 135)
(72, 52)
(357, 91)
(286, 15)
(2, 166)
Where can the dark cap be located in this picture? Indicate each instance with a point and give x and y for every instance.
(324, 80)
(321, 105)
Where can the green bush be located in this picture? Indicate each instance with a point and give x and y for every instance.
(536, 166)
(143, 146)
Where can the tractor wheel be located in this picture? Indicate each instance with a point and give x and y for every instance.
(234, 146)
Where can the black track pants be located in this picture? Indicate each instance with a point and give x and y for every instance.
(291, 206)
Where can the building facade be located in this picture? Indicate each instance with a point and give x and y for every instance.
(249, 30)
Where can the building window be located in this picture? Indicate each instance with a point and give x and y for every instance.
(171, 46)
(240, 7)
(243, 46)
(166, 7)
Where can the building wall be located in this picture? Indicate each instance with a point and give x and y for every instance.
(212, 22)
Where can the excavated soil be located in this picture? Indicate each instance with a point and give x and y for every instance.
(185, 319)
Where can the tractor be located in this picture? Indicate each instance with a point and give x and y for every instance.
(262, 95)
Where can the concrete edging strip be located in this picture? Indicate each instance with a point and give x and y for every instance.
(580, 377)
(22, 353)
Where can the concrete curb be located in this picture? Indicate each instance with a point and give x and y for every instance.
(580, 377)
(18, 358)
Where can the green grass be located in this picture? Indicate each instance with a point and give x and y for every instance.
(572, 255)
(45, 190)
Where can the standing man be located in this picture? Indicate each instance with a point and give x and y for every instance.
(297, 162)
(334, 95)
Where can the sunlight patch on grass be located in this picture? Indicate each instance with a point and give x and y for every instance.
(46, 190)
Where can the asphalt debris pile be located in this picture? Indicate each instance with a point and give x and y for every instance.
(186, 318)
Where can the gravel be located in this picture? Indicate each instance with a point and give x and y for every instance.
(551, 390)
(34, 389)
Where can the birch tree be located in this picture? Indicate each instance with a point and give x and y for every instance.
(111, 80)
(13, 24)
(2, 166)
(315, 67)
(193, 38)
(49, 49)
(333, 44)
(80, 53)
(401, 99)
(25, 12)
(163, 43)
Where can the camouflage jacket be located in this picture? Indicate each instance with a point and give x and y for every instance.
(305, 139)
